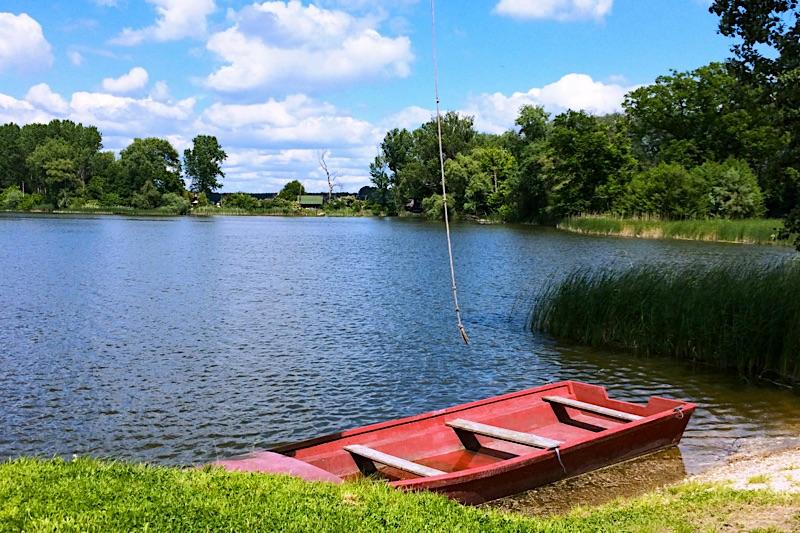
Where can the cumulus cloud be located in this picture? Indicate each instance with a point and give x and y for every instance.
(176, 19)
(42, 95)
(134, 80)
(276, 140)
(297, 120)
(22, 43)
(554, 9)
(496, 112)
(268, 143)
(287, 43)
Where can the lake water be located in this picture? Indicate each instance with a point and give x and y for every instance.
(183, 340)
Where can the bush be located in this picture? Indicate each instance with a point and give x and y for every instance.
(31, 201)
(433, 207)
(10, 198)
(667, 190)
(733, 189)
(240, 200)
(110, 199)
(175, 203)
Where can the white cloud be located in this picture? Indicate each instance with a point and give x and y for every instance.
(134, 80)
(75, 57)
(42, 96)
(160, 91)
(277, 139)
(176, 19)
(277, 43)
(22, 43)
(496, 112)
(268, 143)
(20, 111)
(296, 120)
(554, 9)
(410, 118)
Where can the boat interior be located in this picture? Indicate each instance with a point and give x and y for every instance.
(528, 423)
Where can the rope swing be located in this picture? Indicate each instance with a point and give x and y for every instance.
(453, 286)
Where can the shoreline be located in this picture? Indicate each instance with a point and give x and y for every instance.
(758, 231)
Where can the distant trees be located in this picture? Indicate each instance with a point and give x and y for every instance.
(291, 191)
(722, 140)
(203, 164)
(61, 164)
(766, 60)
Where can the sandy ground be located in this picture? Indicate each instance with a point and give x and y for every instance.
(778, 471)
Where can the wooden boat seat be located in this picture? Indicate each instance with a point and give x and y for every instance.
(591, 408)
(517, 437)
(391, 460)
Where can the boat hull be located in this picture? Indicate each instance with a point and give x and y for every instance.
(590, 429)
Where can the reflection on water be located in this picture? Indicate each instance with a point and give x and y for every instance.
(183, 340)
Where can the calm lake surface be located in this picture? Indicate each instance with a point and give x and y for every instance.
(182, 340)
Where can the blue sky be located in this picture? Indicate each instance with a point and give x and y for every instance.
(277, 82)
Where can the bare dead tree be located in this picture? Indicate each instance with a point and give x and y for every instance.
(332, 176)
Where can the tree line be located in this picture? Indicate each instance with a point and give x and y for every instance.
(63, 165)
(722, 140)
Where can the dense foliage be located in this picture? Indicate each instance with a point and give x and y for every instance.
(739, 316)
(720, 141)
(61, 165)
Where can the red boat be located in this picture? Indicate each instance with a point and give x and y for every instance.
(487, 449)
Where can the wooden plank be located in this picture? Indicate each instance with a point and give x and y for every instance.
(391, 460)
(509, 435)
(583, 406)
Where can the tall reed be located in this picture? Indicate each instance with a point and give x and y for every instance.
(739, 316)
(751, 231)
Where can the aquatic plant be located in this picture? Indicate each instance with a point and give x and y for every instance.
(750, 231)
(739, 316)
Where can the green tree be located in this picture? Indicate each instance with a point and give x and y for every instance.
(148, 197)
(766, 57)
(203, 163)
(707, 114)
(150, 160)
(590, 163)
(240, 200)
(12, 161)
(667, 190)
(291, 191)
(732, 189)
(54, 170)
(379, 176)
(533, 123)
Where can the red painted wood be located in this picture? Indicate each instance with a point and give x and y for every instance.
(501, 468)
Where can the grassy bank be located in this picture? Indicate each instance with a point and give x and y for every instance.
(749, 231)
(89, 495)
(743, 317)
(124, 211)
(280, 212)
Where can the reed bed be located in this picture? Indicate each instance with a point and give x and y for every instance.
(749, 231)
(736, 316)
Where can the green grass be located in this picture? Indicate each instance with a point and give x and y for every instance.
(737, 316)
(91, 495)
(760, 478)
(749, 231)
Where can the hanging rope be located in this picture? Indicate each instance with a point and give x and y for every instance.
(453, 285)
